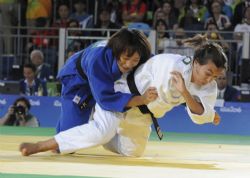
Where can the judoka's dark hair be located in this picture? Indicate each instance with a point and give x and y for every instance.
(130, 41)
(205, 51)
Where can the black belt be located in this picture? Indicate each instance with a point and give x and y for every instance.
(143, 108)
(85, 103)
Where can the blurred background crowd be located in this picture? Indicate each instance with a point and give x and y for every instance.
(37, 36)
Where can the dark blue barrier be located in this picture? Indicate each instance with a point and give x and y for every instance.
(6, 63)
(235, 117)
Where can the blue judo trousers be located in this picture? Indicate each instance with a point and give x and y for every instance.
(101, 69)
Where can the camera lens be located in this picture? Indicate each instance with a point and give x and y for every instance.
(20, 110)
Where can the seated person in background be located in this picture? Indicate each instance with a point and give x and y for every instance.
(222, 21)
(18, 114)
(239, 31)
(213, 34)
(190, 22)
(43, 70)
(75, 44)
(176, 45)
(104, 23)
(162, 35)
(31, 85)
(81, 14)
(41, 35)
(226, 92)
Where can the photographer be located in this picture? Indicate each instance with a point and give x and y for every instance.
(18, 114)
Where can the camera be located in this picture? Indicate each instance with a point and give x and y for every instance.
(20, 110)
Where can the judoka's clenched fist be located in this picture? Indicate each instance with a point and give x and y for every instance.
(216, 119)
(150, 95)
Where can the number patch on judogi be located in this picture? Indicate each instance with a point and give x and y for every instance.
(187, 60)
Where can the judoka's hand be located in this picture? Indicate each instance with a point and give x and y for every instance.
(216, 119)
(178, 81)
(150, 95)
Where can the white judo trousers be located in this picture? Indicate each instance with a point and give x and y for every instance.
(127, 133)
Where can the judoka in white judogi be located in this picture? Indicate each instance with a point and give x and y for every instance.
(128, 133)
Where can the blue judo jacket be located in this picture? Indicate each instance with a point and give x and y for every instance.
(101, 69)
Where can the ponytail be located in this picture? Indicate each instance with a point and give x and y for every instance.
(196, 41)
(205, 51)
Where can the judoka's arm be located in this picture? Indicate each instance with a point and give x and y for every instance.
(201, 110)
(149, 96)
(195, 106)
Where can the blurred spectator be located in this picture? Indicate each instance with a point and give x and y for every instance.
(81, 15)
(214, 35)
(176, 46)
(74, 45)
(159, 14)
(62, 22)
(41, 36)
(18, 114)
(221, 20)
(43, 70)
(37, 9)
(31, 85)
(162, 35)
(242, 27)
(197, 8)
(166, 13)
(189, 22)
(104, 23)
(226, 92)
(239, 31)
(226, 10)
(63, 14)
(170, 17)
(179, 8)
(239, 11)
(8, 18)
(133, 11)
(154, 5)
(45, 39)
(115, 7)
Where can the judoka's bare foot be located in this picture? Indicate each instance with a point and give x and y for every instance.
(31, 148)
(55, 151)
(28, 148)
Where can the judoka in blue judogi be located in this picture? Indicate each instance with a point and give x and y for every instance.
(89, 75)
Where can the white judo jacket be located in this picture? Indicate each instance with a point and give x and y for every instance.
(156, 72)
(127, 133)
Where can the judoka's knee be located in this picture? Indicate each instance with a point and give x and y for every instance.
(104, 135)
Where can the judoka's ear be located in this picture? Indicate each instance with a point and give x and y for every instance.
(195, 63)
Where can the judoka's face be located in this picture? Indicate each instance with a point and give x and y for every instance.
(204, 74)
(127, 63)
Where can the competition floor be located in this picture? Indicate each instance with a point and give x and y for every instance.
(177, 156)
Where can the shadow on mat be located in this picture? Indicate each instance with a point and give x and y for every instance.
(79, 158)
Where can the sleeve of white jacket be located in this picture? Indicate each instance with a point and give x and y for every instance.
(207, 99)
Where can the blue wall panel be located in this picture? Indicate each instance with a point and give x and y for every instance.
(235, 117)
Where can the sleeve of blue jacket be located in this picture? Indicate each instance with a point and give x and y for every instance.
(102, 71)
